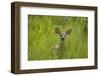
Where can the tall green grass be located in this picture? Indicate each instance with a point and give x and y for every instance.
(42, 37)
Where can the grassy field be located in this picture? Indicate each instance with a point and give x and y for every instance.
(42, 37)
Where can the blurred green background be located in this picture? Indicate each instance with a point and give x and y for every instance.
(42, 37)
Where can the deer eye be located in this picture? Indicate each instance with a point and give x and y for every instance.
(60, 35)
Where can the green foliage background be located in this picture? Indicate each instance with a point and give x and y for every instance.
(42, 36)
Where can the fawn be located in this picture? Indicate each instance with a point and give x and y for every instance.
(60, 48)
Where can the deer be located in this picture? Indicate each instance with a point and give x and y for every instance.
(60, 48)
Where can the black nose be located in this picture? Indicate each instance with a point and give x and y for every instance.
(62, 38)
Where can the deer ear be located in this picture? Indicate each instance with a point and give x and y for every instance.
(68, 31)
(57, 30)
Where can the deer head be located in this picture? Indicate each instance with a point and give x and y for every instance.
(62, 34)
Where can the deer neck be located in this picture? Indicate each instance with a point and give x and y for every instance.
(62, 43)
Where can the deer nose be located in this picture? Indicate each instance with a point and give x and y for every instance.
(62, 38)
